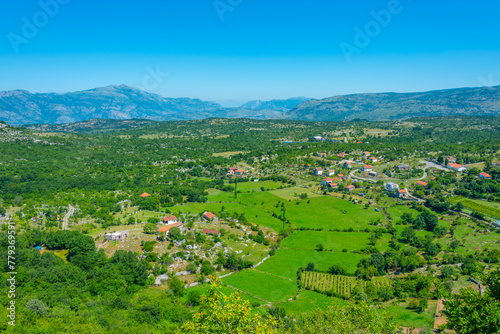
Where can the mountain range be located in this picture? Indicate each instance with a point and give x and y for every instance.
(20, 107)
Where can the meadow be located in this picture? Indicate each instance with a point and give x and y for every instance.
(267, 287)
(286, 262)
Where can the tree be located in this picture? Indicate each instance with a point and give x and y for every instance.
(310, 266)
(447, 272)
(175, 233)
(177, 287)
(422, 305)
(227, 314)
(320, 247)
(408, 234)
(38, 307)
(2, 211)
(353, 318)
(337, 270)
(150, 228)
(470, 312)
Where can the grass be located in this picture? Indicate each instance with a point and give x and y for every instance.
(255, 186)
(293, 192)
(336, 241)
(328, 212)
(286, 262)
(267, 287)
(59, 253)
(411, 318)
(309, 301)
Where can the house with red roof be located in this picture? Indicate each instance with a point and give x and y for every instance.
(402, 193)
(213, 232)
(210, 216)
(451, 159)
(367, 168)
(330, 172)
(166, 229)
(170, 220)
(373, 159)
(366, 154)
(484, 175)
(457, 167)
(327, 181)
(318, 171)
(143, 195)
(348, 164)
(349, 188)
(322, 155)
(422, 183)
(342, 155)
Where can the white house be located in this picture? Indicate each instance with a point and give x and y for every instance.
(170, 220)
(391, 186)
(330, 172)
(367, 168)
(318, 171)
(457, 167)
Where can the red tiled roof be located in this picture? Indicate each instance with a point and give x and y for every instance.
(318, 168)
(455, 165)
(209, 215)
(328, 179)
(483, 174)
(168, 227)
(240, 171)
(171, 217)
(367, 166)
(144, 195)
(402, 191)
(422, 183)
(350, 187)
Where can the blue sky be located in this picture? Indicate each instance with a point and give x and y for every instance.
(249, 49)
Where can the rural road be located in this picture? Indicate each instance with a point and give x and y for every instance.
(70, 212)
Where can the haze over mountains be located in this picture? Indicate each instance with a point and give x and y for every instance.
(21, 107)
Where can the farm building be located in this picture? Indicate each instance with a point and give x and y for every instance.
(166, 229)
(170, 220)
(421, 183)
(457, 167)
(349, 188)
(367, 168)
(210, 216)
(213, 232)
(391, 186)
(318, 171)
(330, 172)
(484, 175)
(116, 236)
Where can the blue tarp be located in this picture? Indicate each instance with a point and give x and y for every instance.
(38, 247)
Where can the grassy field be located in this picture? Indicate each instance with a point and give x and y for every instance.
(309, 301)
(292, 193)
(59, 253)
(328, 212)
(336, 241)
(411, 318)
(286, 262)
(267, 287)
(255, 186)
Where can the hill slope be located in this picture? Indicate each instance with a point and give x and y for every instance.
(482, 101)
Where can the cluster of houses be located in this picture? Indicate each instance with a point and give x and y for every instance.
(235, 172)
